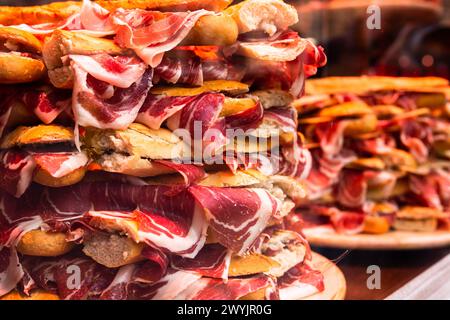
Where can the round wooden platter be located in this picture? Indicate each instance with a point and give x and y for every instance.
(325, 236)
(335, 285)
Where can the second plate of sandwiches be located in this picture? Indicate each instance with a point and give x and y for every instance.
(380, 177)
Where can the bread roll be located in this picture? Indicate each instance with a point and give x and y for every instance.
(44, 244)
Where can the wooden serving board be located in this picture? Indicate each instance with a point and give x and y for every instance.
(335, 285)
(394, 240)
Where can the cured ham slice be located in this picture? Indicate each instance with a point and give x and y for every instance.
(300, 282)
(233, 289)
(201, 118)
(377, 146)
(158, 108)
(5, 108)
(151, 34)
(11, 271)
(190, 173)
(352, 189)
(119, 71)
(431, 189)
(325, 172)
(417, 138)
(289, 75)
(331, 136)
(282, 46)
(347, 222)
(284, 118)
(17, 167)
(180, 70)
(154, 268)
(253, 208)
(97, 104)
(60, 164)
(16, 171)
(127, 286)
(168, 288)
(92, 20)
(47, 105)
(58, 275)
(192, 70)
(212, 261)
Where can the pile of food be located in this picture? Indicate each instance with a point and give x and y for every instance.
(381, 154)
(118, 176)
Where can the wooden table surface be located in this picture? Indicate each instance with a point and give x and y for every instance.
(397, 268)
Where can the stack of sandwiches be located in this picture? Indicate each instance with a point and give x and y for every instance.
(149, 151)
(381, 154)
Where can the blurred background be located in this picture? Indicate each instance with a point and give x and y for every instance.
(412, 39)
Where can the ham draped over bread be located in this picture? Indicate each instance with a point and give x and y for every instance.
(155, 150)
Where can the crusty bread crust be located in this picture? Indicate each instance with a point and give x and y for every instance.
(25, 41)
(217, 30)
(44, 178)
(167, 5)
(44, 244)
(57, 11)
(41, 134)
(35, 295)
(15, 68)
(52, 12)
(224, 86)
(365, 84)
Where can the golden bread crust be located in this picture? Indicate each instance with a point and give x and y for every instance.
(226, 86)
(44, 244)
(44, 178)
(166, 5)
(15, 68)
(35, 295)
(365, 84)
(52, 12)
(250, 264)
(41, 134)
(26, 41)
